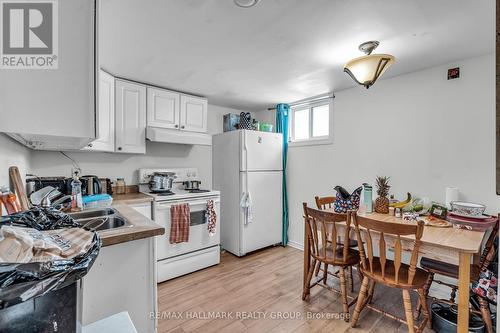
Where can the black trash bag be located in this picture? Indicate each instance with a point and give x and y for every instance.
(22, 282)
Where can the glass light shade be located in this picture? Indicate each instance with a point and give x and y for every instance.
(367, 69)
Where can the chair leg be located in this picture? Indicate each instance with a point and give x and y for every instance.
(408, 311)
(361, 301)
(316, 271)
(325, 274)
(307, 284)
(427, 286)
(486, 314)
(371, 290)
(343, 289)
(422, 297)
(351, 280)
(360, 275)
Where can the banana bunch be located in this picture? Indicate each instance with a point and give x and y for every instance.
(401, 204)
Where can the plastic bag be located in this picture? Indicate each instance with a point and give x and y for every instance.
(22, 282)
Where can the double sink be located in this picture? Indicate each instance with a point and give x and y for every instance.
(101, 219)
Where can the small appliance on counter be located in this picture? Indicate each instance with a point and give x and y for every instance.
(90, 184)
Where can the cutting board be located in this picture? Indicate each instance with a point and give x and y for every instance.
(19, 188)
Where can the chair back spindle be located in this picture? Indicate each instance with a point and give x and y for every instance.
(323, 203)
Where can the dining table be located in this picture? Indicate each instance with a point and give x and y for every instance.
(450, 245)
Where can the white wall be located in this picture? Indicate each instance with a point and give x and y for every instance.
(422, 130)
(124, 165)
(12, 154)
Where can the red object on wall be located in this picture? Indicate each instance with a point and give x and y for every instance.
(453, 73)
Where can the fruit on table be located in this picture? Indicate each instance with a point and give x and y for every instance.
(382, 202)
(401, 204)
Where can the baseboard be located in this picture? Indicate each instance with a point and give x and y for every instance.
(295, 245)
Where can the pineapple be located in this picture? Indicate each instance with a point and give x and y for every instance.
(382, 202)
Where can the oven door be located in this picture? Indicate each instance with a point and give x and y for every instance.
(199, 238)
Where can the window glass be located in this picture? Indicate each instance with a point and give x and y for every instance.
(321, 121)
(301, 124)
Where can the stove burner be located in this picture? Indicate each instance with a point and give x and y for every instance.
(162, 193)
(198, 191)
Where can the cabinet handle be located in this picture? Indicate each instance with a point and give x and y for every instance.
(176, 126)
(119, 148)
(182, 127)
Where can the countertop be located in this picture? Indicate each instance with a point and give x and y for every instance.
(142, 227)
(132, 198)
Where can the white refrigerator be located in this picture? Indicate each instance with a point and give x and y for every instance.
(247, 170)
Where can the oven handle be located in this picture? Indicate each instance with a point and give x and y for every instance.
(167, 205)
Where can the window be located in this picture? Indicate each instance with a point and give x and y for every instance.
(311, 124)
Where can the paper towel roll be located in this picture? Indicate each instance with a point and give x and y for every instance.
(451, 195)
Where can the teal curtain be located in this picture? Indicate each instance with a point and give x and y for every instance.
(282, 112)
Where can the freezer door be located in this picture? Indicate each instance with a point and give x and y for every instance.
(261, 151)
(265, 227)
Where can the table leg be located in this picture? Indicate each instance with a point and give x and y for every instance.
(463, 292)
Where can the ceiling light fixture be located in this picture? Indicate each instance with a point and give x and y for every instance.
(246, 3)
(367, 69)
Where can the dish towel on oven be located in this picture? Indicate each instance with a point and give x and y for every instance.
(211, 217)
(180, 220)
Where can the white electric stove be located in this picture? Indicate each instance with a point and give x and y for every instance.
(202, 249)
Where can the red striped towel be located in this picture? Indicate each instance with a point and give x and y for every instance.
(180, 220)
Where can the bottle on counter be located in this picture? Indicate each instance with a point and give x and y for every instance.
(9, 201)
(367, 198)
(76, 194)
(120, 186)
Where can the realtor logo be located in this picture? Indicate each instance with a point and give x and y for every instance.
(29, 34)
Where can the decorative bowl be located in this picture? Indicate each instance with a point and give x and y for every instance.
(467, 208)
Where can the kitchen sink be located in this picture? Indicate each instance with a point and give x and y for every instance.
(101, 219)
(87, 214)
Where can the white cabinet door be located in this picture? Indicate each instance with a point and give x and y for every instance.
(105, 115)
(193, 114)
(54, 107)
(130, 117)
(163, 108)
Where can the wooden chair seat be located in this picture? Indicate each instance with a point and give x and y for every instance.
(389, 276)
(337, 259)
(352, 243)
(447, 269)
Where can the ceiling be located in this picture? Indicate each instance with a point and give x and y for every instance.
(282, 50)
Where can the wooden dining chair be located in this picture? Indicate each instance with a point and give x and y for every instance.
(446, 269)
(391, 273)
(322, 234)
(323, 203)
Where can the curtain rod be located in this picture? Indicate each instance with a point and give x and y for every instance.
(309, 100)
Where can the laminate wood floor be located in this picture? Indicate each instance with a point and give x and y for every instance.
(261, 292)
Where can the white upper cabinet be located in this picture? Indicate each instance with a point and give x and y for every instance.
(193, 114)
(105, 115)
(54, 108)
(130, 125)
(163, 108)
